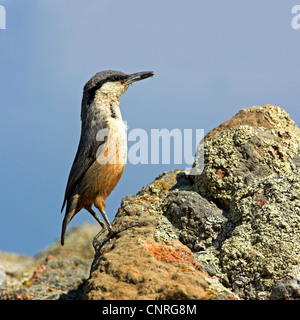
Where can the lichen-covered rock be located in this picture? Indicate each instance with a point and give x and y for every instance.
(239, 155)
(236, 157)
(288, 287)
(55, 273)
(199, 223)
(268, 117)
(251, 170)
(53, 279)
(266, 243)
(13, 262)
(148, 261)
(134, 266)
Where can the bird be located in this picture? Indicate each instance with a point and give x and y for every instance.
(102, 151)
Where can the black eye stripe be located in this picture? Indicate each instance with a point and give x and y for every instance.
(92, 90)
(116, 78)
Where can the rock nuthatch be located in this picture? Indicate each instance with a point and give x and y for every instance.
(102, 151)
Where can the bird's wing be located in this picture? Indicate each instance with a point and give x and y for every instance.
(85, 156)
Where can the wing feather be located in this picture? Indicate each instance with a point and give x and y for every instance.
(85, 156)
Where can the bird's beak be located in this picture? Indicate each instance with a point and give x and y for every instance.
(139, 76)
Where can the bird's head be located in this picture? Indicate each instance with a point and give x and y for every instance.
(111, 83)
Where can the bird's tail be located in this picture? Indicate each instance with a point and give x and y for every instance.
(71, 210)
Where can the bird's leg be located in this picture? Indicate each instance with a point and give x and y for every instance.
(93, 213)
(109, 227)
(103, 237)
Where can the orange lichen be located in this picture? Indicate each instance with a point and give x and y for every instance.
(169, 254)
(209, 294)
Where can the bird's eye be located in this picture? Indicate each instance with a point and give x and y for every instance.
(116, 78)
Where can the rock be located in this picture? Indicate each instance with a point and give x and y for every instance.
(268, 117)
(12, 262)
(55, 273)
(252, 173)
(54, 279)
(149, 262)
(198, 221)
(134, 266)
(287, 287)
(265, 244)
(237, 156)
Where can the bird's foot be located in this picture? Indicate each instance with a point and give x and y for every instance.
(103, 238)
(105, 235)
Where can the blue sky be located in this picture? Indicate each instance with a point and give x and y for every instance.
(210, 60)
